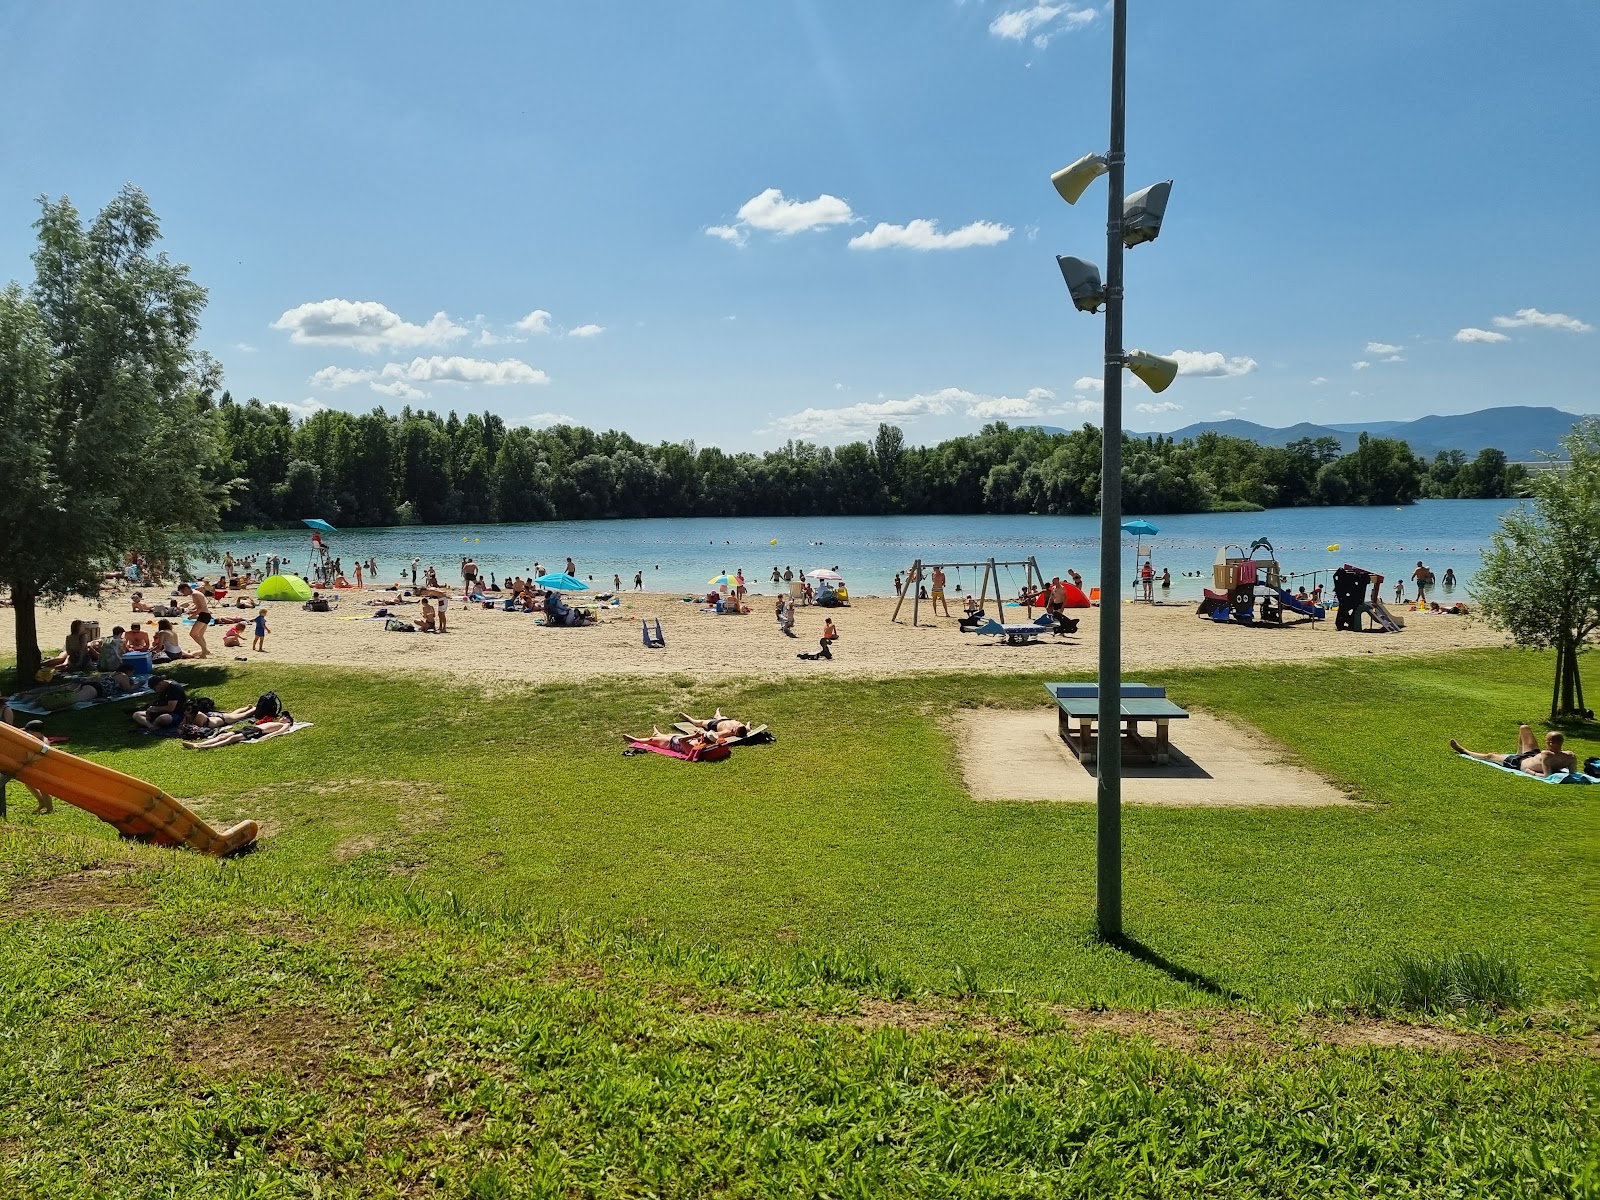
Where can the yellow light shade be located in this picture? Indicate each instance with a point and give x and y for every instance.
(1152, 370)
(1071, 181)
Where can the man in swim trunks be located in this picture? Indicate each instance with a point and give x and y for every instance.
(1529, 757)
(938, 591)
(200, 610)
(727, 727)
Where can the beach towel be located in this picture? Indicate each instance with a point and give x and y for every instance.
(1558, 777)
(698, 754)
(21, 702)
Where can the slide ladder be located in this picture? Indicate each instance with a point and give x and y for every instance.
(132, 807)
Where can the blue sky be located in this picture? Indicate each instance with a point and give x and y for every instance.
(745, 222)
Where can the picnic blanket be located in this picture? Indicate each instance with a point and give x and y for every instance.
(23, 701)
(1558, 777)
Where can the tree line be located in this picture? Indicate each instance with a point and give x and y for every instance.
(415, 466)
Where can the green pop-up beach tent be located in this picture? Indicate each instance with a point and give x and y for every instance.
(283, 587)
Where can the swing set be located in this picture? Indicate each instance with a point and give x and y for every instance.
(991, 574)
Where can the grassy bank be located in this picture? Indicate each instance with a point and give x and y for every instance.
(482, 952)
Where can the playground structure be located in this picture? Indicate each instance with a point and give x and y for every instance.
(132, 807)
(1350, 585)
(1240, 581)
(1033, 582)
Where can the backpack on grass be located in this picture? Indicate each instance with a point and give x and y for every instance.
(268, 705)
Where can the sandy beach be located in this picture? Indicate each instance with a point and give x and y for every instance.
(495, 647)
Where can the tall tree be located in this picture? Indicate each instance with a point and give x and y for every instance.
(1540, 579)
(109, 438)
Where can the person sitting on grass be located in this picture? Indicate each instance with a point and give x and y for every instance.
(256, 731)
(728, 727)
(1528, 757)
(166, 709)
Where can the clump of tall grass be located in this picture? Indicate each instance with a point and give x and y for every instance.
(1433, 983)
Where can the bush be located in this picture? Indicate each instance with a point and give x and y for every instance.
(1431, 983)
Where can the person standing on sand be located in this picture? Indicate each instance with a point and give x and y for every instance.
(1422, 577)
(938, 591)
(201, 612)
(444, 614)
(259, 642)
(638, 581)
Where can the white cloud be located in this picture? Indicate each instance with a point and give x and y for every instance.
(1362, 365)
(1319, 381)
(1078, 404)
(245, 347)
(363, 325)
(1040, 22)
(542, 421)
(586, 331)
(400, 389)
(1089, 384)
(772, 212)
(456, 369)
(1382, 348)
(1471, 334)
(486, 338)
(1165, 406)
(1532, 316)
(1211, 364)
(334, 378)
(538, 321)
(1224, 412)
(864, 417)
(304, 409)
(1395, 358)
(922, 234)
(728, 233)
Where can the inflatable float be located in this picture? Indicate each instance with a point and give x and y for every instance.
(132, 807)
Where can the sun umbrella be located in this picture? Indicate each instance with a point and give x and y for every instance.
(720, 581)
(561, 582)
(821, 574)
(1140, 527)
(319, 524)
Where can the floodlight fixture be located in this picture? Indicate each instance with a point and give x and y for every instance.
(1142, 213)
(1071, 181)
(1083, 281)
(1155, 371)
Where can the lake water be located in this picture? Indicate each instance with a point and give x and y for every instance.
(679, 554)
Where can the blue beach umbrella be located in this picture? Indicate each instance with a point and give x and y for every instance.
(319, 524)
(1140, 528)
(561, 582)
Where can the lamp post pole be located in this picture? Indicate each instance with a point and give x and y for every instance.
(1108, 759)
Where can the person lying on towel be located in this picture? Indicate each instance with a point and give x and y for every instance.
(679, 743)
(1528, 756)
(258, 730)
(725, 727)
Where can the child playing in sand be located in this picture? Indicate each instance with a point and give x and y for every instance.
(259, 642)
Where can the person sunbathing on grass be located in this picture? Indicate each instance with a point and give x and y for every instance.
(681, 743)
(1529, 757)
(728, 727)
(257, 731)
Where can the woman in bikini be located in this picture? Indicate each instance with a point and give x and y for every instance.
(258, 730)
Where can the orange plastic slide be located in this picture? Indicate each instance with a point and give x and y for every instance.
(134, 808)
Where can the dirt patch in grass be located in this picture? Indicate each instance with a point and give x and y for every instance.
(415, 807)
(97, 888)
(298, 1043)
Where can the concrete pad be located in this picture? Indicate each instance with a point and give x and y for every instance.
(1018, 755)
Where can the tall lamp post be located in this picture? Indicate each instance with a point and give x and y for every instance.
(1129, 221)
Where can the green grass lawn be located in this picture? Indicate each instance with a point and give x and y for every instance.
(480, 952)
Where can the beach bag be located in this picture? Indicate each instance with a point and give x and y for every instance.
(396, 625)
(164, 610)
(315, 606)
(110, 655)
(267, 705)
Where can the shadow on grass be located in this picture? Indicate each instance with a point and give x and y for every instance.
(1134, 948)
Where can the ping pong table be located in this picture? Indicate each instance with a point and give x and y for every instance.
(1078, 714)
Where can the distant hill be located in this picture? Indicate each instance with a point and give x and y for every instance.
(1518, 430)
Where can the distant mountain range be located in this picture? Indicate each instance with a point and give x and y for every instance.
(1518, 430)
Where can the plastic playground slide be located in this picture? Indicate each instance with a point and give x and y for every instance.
(1305, 608)
(1384, 617)
(134, 808)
